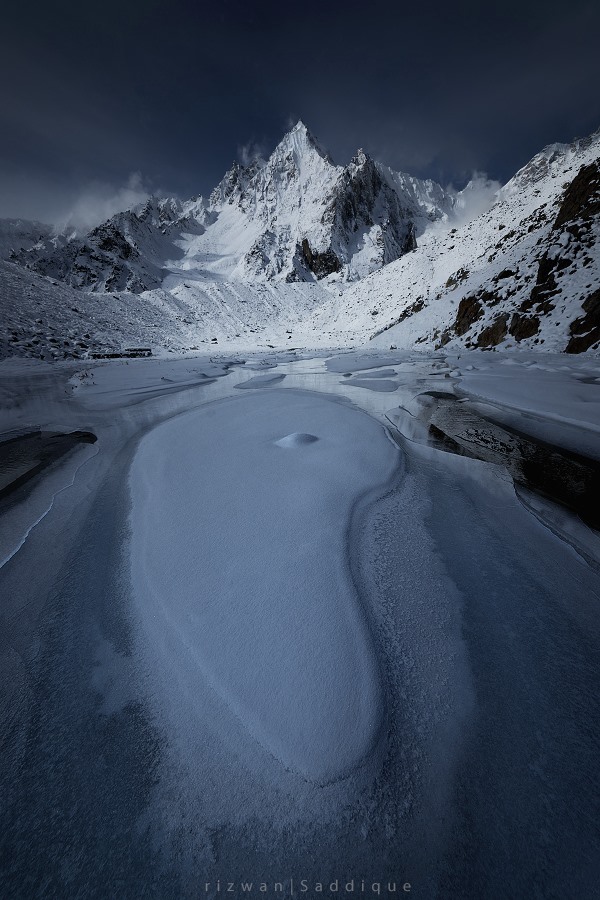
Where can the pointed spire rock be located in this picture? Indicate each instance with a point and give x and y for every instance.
(302, 143)
(360, 158)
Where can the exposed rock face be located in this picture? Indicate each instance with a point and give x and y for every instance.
(364, 205)
(572, 234)
(495, 333)
(545, 286)
(585, 331)
(410, 242)
(109, 239)
(469, 311)
(581, 200)
(321, 264)
(522, 327)
(234, 183)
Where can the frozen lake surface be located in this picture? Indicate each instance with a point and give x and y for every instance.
(289, 634)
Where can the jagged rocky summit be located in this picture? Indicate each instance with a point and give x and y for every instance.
(294, 217)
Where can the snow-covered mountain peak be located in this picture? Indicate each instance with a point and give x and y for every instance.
(297, 161)
(295, 217)
(302, 144)
(300, 128)
(299, 156)
(361, 159)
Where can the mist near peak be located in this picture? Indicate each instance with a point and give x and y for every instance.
(477, 196)
(99, 201)
(251, 152)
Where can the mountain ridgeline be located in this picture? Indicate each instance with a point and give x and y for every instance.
(294, 217)
(298, 251)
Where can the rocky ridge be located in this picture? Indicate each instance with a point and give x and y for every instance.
(294, 217)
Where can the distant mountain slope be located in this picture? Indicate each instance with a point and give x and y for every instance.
(126, 253)
(18, 234)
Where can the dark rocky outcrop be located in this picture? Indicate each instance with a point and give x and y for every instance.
(585, 331)
(571, 230)
(109, 239)
(495, 333)
(359, 193)
(410, 242)
(522, 326)
(232, 187)
(545, 286)
(321, 264)
(415, 307)
(469, 311)
(581, 199)
(454, 280)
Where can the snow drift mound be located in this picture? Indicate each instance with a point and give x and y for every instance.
(241, 577)
(297, 439)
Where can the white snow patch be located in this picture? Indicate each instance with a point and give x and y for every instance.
(281, 639)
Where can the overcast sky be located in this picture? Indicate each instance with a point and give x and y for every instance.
(103, 100)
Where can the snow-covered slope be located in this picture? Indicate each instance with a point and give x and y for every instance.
(525, 272)
(45, 319)
(126, 253)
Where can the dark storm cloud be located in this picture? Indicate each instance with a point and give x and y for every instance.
(176, 90)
